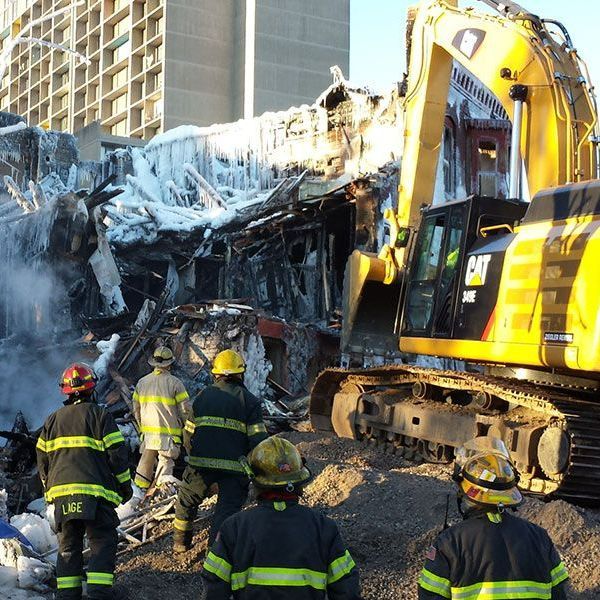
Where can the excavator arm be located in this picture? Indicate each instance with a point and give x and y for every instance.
(538, 78)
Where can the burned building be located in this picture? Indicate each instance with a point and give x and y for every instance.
(261, 213)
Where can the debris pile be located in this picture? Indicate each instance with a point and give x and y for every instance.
(389, 510)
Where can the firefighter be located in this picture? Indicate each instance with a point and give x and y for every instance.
(161, 406)
(84, 467)
(227, 424)
(491, 553)
(280, 548)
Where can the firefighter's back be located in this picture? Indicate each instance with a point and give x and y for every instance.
(501, 556)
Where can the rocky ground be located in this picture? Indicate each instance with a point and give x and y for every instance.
(389, 511)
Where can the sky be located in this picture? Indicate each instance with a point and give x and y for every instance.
(377, 50)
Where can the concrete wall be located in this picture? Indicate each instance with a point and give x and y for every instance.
(199, 54)
(296, 43)
(93, 142)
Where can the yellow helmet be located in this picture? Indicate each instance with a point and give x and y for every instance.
(276, 463)
(228, 362)
(489, 480)
(162, 357)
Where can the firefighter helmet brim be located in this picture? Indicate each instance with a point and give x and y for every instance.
(489, 480)
(77, 378)
(277, 464)
(162, 357)
(228, 362)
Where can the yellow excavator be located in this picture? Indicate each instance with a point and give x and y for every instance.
(502, 295)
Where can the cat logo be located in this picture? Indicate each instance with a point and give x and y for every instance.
(468, 41)
(477, 268)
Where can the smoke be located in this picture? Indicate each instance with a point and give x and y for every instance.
(34, 321)
(29, 381)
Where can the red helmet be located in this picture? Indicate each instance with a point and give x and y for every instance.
(77, 378)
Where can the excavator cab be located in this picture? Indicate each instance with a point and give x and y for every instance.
(448, 233)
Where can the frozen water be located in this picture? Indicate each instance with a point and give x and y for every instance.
(107, 349)
(37, 530)
(131, 436)
(257, 367)
(32, 573)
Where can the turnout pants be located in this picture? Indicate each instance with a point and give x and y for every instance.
(144, 474)
(233, 491)
(102, 540)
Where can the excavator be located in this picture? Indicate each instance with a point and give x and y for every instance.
(492, 304)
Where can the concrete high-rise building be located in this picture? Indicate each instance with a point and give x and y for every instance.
(157, 64)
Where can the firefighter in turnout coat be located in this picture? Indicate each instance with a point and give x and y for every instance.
(280, 549)
(161, 406)
(84, 467)
(227, 424)
(491, 554)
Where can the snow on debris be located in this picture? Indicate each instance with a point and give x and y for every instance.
(107, 349)
(37, 530)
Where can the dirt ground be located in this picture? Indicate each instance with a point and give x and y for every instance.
(389, 511)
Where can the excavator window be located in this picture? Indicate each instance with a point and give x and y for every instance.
(422, 285)
(438, 255)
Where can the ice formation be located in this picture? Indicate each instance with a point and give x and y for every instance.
(107, 349)
(37, 530)
(257, 367)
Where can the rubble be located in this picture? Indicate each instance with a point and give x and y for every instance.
(389, 510)
(229, 236)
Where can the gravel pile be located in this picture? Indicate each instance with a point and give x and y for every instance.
(389, 511)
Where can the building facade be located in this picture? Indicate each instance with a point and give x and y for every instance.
(157, 64)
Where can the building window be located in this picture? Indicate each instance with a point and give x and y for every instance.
(122, 52)
(121, 27)
(487, 156)
(119, 104)
(449, 158)
(119, 128)
(119, 78)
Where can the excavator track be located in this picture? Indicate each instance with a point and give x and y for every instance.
(553, 432)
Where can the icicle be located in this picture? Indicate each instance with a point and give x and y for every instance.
(17, 195)
(38, 196)
(170, 185)
(213, 197)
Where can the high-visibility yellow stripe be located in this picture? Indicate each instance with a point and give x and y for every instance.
(494, 517)
(340, 567)
(124, 476)
(70, 441)
(221, 464)
(65, 583)
(256, 429)
(492, 590)
(218, 566)
(113, 438)
(190, 426)
(155, 400)
(279, 506)
(281, 576)
(182, 525)
(181, 397)
(559, 574)
(166, 430)
(433, 583)
(97, 578)
(87, 489)
(141, 482)
(221, 422)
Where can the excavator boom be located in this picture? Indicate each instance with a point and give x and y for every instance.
(504, 290)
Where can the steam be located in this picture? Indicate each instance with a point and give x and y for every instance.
(34, 319)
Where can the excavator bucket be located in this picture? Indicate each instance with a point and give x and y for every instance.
(371, 308)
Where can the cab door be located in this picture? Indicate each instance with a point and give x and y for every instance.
(431, 294)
